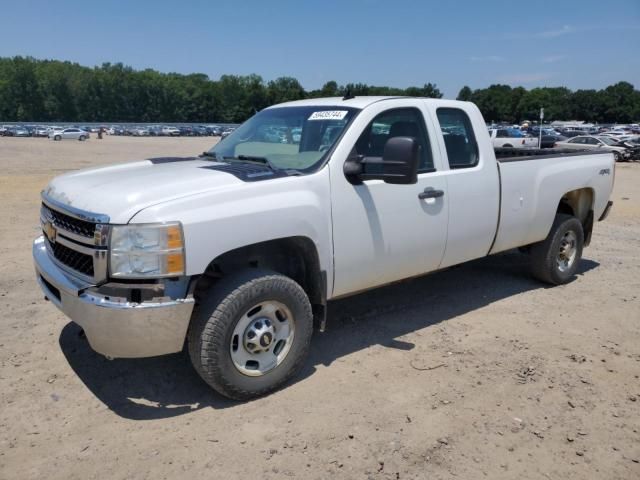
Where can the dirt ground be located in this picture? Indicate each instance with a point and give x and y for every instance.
(474, 372)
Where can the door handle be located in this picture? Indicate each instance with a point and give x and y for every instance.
(430, 193)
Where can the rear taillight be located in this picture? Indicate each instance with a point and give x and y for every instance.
(523, 142)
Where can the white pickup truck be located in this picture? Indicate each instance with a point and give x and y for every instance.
(508, 138)
(237, 251)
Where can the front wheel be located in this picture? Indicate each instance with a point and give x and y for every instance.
(57, 138)
(82, 138)
(251, 333)
(555, 259)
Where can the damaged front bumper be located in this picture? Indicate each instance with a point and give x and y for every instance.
(116, 326)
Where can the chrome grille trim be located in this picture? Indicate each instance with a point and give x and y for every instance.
(93, 243)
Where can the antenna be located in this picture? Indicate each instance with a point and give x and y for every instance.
(348, 95)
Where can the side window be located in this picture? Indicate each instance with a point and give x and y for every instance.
(459, 139)
(503, 134)
(400, 122)
(593, 141)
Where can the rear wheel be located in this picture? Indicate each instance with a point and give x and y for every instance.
(507, 146)
(57, 137)
(555, 259)
(251, 333)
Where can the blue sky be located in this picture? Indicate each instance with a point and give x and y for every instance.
(579, 44)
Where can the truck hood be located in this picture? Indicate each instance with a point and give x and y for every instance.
(121, 191)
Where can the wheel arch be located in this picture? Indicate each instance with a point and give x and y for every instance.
(580, 204)
(295, 257)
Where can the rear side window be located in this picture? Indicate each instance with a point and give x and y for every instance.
(459, 140)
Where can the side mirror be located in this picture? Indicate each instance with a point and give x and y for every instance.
(398, 164)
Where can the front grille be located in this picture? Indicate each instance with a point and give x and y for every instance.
(73, 225)
(77, 261)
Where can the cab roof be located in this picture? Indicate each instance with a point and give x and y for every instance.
(355, 102)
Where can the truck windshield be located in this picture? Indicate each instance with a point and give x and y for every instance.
(290, 138)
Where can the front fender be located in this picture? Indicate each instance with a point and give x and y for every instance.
(223, 220)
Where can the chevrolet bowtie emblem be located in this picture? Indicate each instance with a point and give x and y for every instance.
(50, 231)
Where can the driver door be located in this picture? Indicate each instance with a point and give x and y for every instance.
(384, 232)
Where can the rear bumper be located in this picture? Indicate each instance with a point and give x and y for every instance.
(114, 327)
(607, 209)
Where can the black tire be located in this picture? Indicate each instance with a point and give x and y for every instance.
(545, 255)
(82, 138)
(507, 146)
(617, 157)
(57, 138)
(214, 320)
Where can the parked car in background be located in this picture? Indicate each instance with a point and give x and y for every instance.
(226, 132)
(549, 141)
(155, 130)
(511, 138)
(41, 131)
(170, 131)
(634, 140)
(590, 142)
(570, 133)
(632, 143)
(140, 132)
(69, 134)
(213, 130)
(186, 131)
(17, 131)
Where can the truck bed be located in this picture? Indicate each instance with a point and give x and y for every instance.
(530, 191)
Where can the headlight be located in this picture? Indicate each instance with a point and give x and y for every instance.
(146, 251)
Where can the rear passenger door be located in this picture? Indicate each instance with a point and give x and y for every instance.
(473, 185)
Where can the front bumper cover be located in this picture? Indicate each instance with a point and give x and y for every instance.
(114, 327)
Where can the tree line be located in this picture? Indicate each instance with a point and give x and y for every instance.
(60, 91)
(51, 90)
(618, 103)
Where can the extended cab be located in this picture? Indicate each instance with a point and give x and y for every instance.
(237, 251)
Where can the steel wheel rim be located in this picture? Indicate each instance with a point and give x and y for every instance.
(262, 338)
(567, 251)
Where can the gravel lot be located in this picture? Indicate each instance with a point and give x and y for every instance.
(473, 372)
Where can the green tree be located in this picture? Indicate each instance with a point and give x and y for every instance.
(464, 94)
(284, 89)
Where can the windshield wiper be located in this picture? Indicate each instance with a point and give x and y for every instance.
(213, 155)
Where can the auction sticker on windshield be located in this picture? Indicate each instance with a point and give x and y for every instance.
(329, 115)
